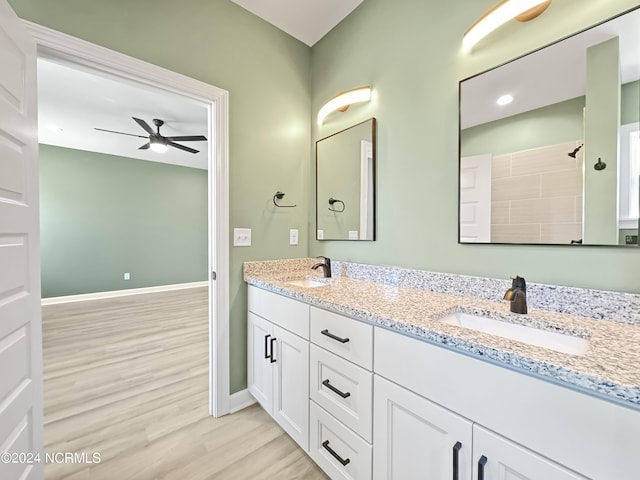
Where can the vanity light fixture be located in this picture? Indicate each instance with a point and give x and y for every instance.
(498, 15)
(344, 100)
(505, 100)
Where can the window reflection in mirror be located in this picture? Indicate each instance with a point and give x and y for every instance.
(527, 167)
(345, 184)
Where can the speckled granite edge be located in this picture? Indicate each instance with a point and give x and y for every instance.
(627, 395)
(598, 304)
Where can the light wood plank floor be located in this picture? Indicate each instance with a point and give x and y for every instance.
(127, 378)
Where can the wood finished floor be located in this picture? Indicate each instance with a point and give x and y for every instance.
(127, 378)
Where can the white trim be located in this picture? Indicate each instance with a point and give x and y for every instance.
(120, 293)
(240, 400)
(64, 48)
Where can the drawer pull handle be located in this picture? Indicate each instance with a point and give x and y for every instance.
(266, 346)
(481, 463)
(326, 446)
(456, 462)
(335, 390)
(331, 335)
(273, 340)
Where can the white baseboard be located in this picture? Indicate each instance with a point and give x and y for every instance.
(240, 400)
(121, 293)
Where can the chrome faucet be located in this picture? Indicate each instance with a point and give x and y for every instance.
(325, 265)
(517, 295)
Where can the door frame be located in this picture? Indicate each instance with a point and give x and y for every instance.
(64, 48)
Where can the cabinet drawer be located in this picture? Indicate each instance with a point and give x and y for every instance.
(343, 389)
(282, 311)
(337, 450)
(343, 336)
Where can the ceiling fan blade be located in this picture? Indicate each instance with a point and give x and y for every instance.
(120, 133)
(188, 138)
(182, 147)
(145, 146)
(144, 125)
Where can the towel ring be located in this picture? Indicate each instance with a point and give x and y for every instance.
(333, 201)
(279, 195)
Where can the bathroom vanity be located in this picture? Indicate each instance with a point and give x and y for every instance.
(365, 376)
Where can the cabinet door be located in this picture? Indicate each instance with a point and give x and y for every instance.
(291, 385)
(414, 438)
(260, 369)
(497, 458)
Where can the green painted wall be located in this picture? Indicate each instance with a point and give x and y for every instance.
(103, 215)
(601, 128)
(267, 74)
(558, 123)
(410, 52)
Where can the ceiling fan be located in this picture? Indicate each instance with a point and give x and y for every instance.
(157, 142)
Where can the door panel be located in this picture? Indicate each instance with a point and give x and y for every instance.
(20, 320)
(291, 389)
(414, 438)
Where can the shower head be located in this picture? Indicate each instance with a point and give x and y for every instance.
(575, 151)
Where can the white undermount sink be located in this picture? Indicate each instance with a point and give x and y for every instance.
(307, 283)
(560, 342)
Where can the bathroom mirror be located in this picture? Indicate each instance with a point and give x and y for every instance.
(345, 183)
(560, 163)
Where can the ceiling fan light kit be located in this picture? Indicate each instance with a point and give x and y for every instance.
(157, 142)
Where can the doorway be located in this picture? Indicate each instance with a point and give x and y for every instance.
(61, 48)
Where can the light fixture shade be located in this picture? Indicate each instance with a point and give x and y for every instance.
(495, 17)
(362, 94)
(158, 145)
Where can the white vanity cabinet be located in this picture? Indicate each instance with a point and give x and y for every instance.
(417, 439)
(278, 360)
(341, 390)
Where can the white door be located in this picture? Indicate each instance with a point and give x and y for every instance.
(475, 199)
(497, 458)
(291, 385)
(414, 438)
(261, 353)
(20, 321)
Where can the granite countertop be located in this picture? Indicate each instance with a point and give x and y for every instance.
(610, 368)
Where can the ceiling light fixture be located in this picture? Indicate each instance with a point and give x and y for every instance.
(505, 100)
(158, 144)
(343, 100)
(498, 15)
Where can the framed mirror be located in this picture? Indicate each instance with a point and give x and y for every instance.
(550, 143)
(346, 183)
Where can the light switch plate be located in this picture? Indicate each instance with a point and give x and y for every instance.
(293, 236)
(320, 235)
(241, 237)
(127, 276)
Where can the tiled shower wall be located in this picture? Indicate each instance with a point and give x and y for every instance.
(536, 195)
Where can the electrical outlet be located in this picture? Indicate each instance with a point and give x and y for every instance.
(127, 276)
(293, 236)
(353, 234)
(241, 237)
(320, 235)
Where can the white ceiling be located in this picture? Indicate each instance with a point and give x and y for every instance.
(72, 102)
(534, 84)
(306, 20)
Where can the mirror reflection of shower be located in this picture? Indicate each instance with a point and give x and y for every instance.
(575, 151)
